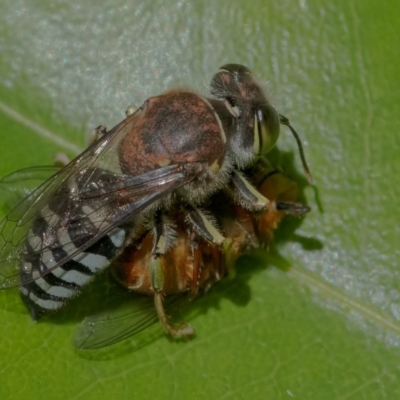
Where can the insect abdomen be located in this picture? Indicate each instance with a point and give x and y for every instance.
(48, 291)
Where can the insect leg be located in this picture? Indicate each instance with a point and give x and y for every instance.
(97, 133)
(61, 160)
(204, 226)
(292, 208)
(289, 207)
(246, 194)
(130, 110)
(157, 280)
(180, 331)
(197, 259)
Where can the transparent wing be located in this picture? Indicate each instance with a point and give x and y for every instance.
(20, 184)
(77, 206)
(107, 328)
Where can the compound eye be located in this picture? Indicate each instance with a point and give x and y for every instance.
(266, 129)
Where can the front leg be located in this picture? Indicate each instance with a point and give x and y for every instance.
(204, 225)
(97, 133)
(245, 194)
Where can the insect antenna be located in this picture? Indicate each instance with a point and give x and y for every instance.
(285, 121)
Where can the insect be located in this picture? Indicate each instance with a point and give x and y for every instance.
(191, 265)
(172, 195)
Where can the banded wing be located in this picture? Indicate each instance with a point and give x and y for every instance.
(70, 213)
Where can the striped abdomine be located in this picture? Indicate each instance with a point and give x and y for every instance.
(45, 283)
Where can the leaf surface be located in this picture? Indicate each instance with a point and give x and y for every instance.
(326, 329)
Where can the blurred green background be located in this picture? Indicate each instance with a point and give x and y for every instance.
(326, 329)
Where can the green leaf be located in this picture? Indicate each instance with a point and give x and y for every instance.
(326, 329)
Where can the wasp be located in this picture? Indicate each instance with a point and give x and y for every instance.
(170, 196)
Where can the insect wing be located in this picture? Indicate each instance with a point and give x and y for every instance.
(77, 206)
(14, 227)
(110, 327)
(20, 184)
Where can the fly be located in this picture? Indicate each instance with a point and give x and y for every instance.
(170, 196)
